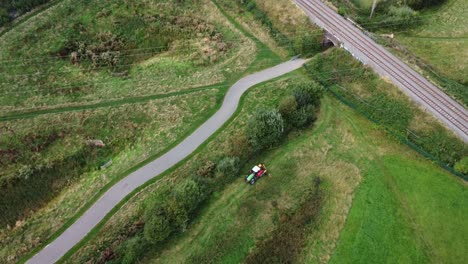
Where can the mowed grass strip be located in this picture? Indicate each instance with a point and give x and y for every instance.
(132, 133)
(406, 211)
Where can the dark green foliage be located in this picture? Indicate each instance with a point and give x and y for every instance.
(173, 212)
(462, 166)
(287, 240)
(308, 93)
(4, 17)
(400, 17)
(265, 129)
(299, 110)
(228, 166)
(17, 6)
(444, 147)
(288, 109)
(133, 249)
(303, 116)
(157, 222)
(389, 112)
(420, 4)
(206, 169)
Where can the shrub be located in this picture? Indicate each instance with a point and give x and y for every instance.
(287, 108)
(446, 148)
(303, 116)
(188, 194)
(308, 93)
(462, 166)
(4, 18)
(229, 166)
(157, 223)
(420, 4)
(402, 16)
(133, 249)
(206, 169)
(265, 128)
(240, 146)
(173, 211)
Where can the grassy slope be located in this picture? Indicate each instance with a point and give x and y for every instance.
(400, 202)
(137, 135)
(33, 232)
(338, 150)
(386, 221)
(442, 39)
(437, 47)
(156, 62)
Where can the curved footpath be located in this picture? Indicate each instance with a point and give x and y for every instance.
(78, 230)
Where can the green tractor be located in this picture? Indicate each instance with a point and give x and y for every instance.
(256, 173)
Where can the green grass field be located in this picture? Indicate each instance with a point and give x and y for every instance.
(441, 42)
(388, 217)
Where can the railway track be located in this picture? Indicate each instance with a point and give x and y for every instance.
(452, 114)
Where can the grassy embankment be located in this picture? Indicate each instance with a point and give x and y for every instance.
(435, 44)
(58, 136)
(384, 103)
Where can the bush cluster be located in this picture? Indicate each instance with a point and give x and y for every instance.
(267, 127)
(103, 51)
(462, 166)
(171, 211)
(163, 216)
(299, 109)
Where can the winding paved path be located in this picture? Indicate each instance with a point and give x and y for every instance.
(78, 230)
(362, 47)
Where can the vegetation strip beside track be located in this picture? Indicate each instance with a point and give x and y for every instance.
(444, 106)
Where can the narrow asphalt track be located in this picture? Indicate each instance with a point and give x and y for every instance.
(362, 47)
(78, 230)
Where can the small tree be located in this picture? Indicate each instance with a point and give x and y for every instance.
(462, 166)
(308, 93)
(228, 166)
(4, 18)
(303, 116)
(287, 108)
(157, 223)
(133, 249)
(265, 128)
